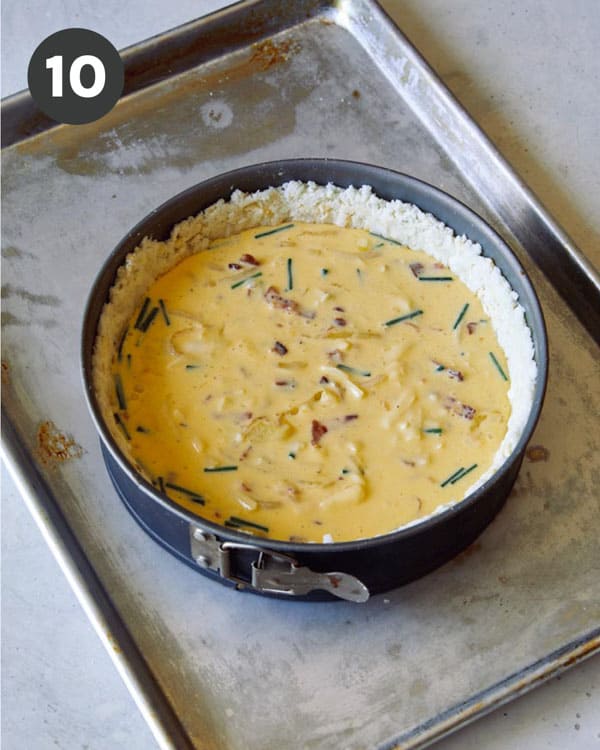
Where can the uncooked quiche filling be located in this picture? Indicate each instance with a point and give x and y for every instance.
(307, 380)
(313, 363)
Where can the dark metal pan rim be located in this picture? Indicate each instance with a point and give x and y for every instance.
(413, 528)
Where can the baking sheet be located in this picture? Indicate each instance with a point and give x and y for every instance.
(240, 671)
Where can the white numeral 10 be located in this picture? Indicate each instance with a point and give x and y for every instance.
(55, 64)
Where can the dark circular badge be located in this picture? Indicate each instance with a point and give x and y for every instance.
(75, 76)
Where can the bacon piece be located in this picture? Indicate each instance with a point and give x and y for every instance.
(244, 456)
(455, 374)
(417, 269)
(340, 322)
(234, 266)
(466, 411)
(249, 260)
(318, 430)
(279, 348)
(471, 328)
(459, 409)
(273, 297)
(350, 417)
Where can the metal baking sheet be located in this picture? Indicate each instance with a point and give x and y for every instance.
(210, 667)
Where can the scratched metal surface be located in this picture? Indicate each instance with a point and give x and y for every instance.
(242, 671)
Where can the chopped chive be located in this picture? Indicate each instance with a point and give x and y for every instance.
(464, 474)
(161, 485)
(231, 525)
(291, 455)
(120, 392)
(248, 278)
(345, 471)
(145, 430)
(379, 244)
(435, 278)
(149, 320)
(192, 367)
(183, 490)
(402, 318)
(359, 274)
(439, 368)
(290, 276)
(164, 312)
(461, 315)
(195, 496)
(452, 476)
(434, 431)
(121, 342)
(324, 271)
(121, 424)
(251, 524)
(216, 469)
(142, 313)
(498, 366)
(273, 231)
(385, 239)
(143, 469)
(354, 371)
(239, 527)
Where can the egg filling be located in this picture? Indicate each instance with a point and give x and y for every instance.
(310, 382)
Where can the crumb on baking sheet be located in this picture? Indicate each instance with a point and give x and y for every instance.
(54, 445)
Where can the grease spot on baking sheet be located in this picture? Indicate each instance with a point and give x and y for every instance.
(8, 290)
(8, 319)
(55, 446)
(537, 453)
(269, 52)
(11, 251)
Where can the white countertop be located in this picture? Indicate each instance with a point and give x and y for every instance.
(529, 74)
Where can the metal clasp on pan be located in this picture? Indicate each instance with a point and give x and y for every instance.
(271, 571)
